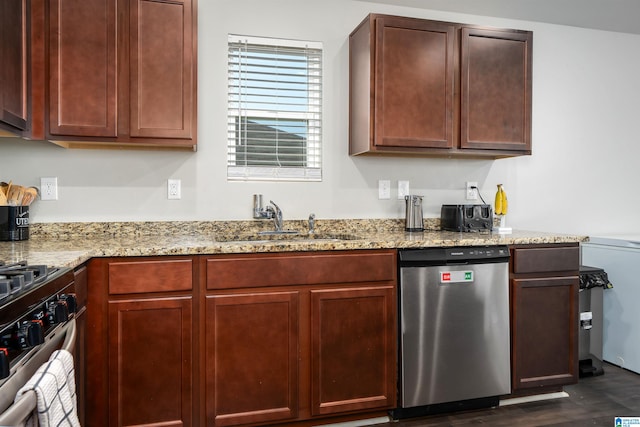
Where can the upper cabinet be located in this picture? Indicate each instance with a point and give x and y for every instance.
(82, 69)
(123, 72)
(14, 39)
(420, 87)
(118, 73)
(495, 89)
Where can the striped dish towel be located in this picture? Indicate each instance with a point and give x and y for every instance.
(55, 406)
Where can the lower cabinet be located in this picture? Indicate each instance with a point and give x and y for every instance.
(140, 342)
(248, 339)
(299, 336)
(353, 346)
(544, 317)
(150, 363)
(277, 338)
(252, 369)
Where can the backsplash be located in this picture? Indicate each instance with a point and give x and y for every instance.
(74, 229)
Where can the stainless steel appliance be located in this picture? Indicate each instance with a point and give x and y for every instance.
(37, 312)
(466, 217)
(454, 329)
(413, 220)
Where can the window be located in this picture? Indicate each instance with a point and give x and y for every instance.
(274, 120)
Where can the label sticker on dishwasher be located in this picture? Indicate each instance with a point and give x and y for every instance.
(456, 276)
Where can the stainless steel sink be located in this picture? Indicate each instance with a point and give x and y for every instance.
(279, 232)
(286, 236)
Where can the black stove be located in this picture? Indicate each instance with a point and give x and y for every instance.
(17, 278)
(34, 301)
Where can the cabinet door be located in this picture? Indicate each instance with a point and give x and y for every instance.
(353, 354)
(414, 78)
(82, 80)
(252, 347)
(544, 332)
(150, 362)
(161, 67)
(13, 57)
(496, 89)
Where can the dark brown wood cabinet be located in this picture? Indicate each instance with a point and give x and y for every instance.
(245, 339)
(151, 361)
(408, 67)
(353, 349)
(544, 317)
(495, 87)
(82, 69)
(14, 48)
(290, 337)
(420, 87)
(162, 69)
(140, 341)
(252, 368)
(122, 73)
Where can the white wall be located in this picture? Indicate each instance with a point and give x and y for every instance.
(581, 177)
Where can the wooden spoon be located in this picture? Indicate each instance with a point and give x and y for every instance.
(4, 188)
(16, 193)
(30, 194)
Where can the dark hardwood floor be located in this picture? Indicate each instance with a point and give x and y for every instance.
(594, 401)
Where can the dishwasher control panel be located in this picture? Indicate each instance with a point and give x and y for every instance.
(473, 253)
(454, 255)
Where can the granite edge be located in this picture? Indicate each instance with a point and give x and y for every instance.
(72, 244)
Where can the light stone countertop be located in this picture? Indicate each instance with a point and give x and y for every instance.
(71, 244)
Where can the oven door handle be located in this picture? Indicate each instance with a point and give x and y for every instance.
(18, 412)
(70, 337)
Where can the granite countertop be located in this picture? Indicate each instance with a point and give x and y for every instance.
(71, 244)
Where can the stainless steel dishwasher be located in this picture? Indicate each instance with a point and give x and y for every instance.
(454, 329)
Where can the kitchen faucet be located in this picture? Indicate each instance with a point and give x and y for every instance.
(271, 212)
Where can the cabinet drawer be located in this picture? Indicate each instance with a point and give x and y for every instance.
(548, 259)
(150, 276)
(300, 269)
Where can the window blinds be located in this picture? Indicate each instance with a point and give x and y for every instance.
(274, 121)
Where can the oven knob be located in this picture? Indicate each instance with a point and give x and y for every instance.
(40, 315)
(4, 363)
(57, 312)
(30, 333)
(71, 301)
(7, 340)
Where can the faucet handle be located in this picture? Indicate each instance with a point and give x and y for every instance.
(270, 212)
(277, 215)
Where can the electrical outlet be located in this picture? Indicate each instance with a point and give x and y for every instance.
(49, 188)
(173, 189)
(472, 190)
(384, 189)
(403, 189)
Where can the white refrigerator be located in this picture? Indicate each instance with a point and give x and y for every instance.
(619, 256)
